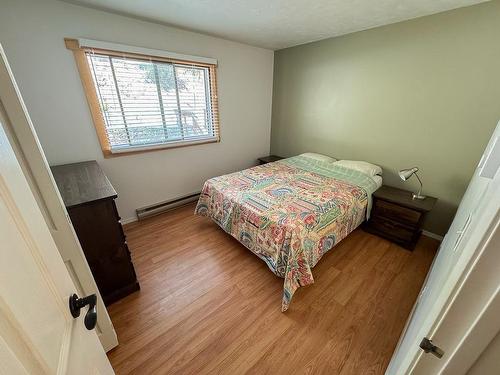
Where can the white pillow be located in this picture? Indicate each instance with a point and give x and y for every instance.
(362, 166)
(318, 157)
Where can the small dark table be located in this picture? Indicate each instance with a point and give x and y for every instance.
(397, 217)
(269, 159)
(89, 198)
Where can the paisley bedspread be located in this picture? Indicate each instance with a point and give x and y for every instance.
(289, 213)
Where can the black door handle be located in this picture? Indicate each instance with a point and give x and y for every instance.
(75, 305)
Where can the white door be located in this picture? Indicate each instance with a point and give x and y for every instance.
(471, 223)
(38, 335)
(27, 148)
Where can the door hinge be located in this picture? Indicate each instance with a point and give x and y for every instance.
(429, 347)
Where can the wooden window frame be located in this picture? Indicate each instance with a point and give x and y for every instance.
(95, 107)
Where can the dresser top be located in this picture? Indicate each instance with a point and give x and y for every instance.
(404, 198)
(81, 183)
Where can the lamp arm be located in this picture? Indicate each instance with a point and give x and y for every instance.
(419, 180)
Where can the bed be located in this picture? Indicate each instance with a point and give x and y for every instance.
(290, 213)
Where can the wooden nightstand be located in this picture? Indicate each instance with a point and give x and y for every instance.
(269, 159)
(398, 217)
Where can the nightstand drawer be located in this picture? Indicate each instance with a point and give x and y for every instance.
(392, 211)
(391, 229)
(397, 216)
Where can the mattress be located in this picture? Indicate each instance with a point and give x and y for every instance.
(289, 213)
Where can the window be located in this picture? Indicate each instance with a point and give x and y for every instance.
(147, 102)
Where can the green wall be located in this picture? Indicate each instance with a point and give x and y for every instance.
(424, 92)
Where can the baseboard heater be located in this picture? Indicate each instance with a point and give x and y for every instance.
(158, 208)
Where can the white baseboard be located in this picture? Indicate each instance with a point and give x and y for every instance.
(128, 220)
(432, 235)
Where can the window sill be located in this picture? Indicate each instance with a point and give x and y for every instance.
(140, 149)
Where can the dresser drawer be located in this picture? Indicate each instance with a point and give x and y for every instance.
(392, 211)
(113, 272)
(97, 228)
(392, 229)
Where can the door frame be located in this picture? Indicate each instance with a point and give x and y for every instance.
(31, 157)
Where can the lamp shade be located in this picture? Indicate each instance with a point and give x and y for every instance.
(407, 173)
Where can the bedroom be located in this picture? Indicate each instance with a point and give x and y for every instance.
(392, 85)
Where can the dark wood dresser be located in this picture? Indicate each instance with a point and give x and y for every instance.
(89, 198)
(398, 217)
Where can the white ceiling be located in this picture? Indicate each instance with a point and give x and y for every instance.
(276, 24)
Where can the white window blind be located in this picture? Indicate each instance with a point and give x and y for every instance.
(146, 103)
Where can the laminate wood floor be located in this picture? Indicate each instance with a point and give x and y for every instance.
(207, 305)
